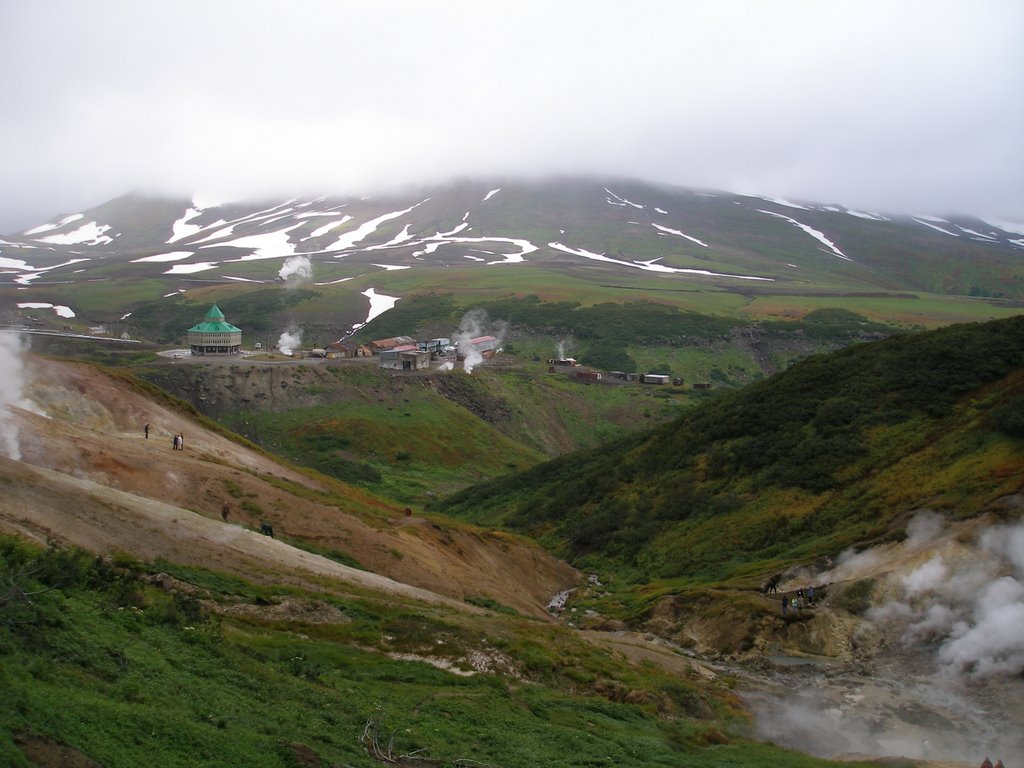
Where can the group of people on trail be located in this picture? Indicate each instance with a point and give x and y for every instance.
(177, 442)
(804, 598)
(986, 763)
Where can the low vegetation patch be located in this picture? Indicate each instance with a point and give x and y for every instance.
(99, 662)
(804, 463)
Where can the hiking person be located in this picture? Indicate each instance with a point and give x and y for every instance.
(986, 763)
(785, 604)
(772, 587)
(999, 764)
(181, 442)
(174, 443)
(268, 530)
(225, 510)
(810, 595)
(146, 430)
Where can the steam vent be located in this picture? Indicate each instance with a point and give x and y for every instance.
(215, 335)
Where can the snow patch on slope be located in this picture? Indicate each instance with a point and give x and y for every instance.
(368, 228)
(681, 234)
(181, 228)
(60, 309)
(819, 236)
(990, 237)
(87, 234)
(161, 257)
(54, 225)
(188, 269)
(323, 230)
(648, 266)
(866, 215)
(620, 201)
(780, 201)
(270, 245)
(936, 227)
(1014, 227)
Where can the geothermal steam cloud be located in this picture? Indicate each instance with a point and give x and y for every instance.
(290, 341)
(973, 608)
(474, 324)
(12, 385)
(296, 269)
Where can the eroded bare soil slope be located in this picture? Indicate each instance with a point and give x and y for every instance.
(89, 476)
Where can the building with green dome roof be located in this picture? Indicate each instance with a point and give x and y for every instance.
(215, 335)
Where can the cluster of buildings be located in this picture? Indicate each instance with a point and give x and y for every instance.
(404, 353)
(216, 336)
(586, 374)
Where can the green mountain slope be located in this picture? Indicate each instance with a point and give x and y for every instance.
(825, 455)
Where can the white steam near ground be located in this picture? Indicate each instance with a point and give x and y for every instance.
(972, 608)
(563, 347)
(12, 388)
(947, 680)
(289, 341)
(473, 325)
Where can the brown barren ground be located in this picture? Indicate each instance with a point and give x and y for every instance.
(88, 476)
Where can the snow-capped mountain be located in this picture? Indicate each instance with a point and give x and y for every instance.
(595, 228)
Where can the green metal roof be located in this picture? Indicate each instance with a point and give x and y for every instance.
(214, 323)
(218, 326)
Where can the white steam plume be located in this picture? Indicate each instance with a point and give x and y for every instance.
(289, 340)
(470, 327)
(561, 350)
(296, 270)
(948, 682)
(475, 324)
(12, 386)
(972, 607)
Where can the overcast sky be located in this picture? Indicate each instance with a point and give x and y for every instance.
(893, 105)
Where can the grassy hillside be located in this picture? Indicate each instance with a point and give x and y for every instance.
(828, 453)
(413, 437)
(121, 664)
